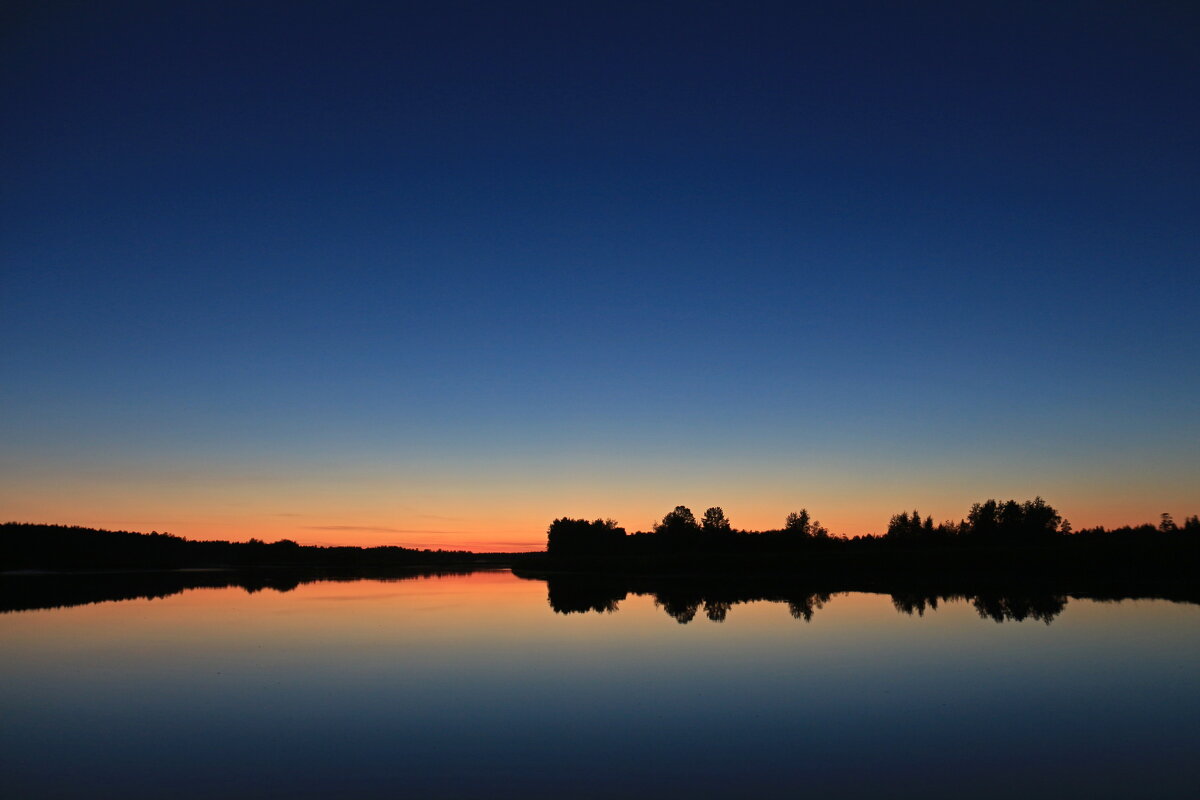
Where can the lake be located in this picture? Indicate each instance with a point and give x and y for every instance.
(474, 685)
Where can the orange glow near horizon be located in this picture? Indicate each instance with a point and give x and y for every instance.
(517, 535)
(494, 504)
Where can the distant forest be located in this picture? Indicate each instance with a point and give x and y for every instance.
(989, 524)
(26, 546)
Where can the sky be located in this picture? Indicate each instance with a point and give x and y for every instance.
(435, 274)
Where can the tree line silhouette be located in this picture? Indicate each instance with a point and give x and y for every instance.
(993, 534)
(25, 546)
(990, 523)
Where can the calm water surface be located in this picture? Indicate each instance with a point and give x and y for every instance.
(472, 686)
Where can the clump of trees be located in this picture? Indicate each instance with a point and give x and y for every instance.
(905, 528)
(1032, 521)
(678, 523)
(580, 537)
(1167, 524)
(1012, 523)
(1167, 527)
(679, 531)
(989, 523)
(799, 524)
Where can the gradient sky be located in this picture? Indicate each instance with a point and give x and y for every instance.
(434, 274)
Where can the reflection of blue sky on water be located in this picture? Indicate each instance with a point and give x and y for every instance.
(473, 687)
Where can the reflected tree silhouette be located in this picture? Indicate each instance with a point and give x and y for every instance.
(1015, 606)
(587, 594)
(717, 610)
(683, 597)
(1019, 608)
(804, 607)
(914, 603)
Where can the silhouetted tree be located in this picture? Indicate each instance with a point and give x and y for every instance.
(715, 521)
(981, 521)
(797, 522)
(805, 606)
(679, 523)
(1009, 518)
(910, 529)
(1038, 519)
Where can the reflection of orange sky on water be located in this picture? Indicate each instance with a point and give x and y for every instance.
(491, 609)
(480, 606)
(475, 606)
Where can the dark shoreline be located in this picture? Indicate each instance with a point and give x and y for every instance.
(1012, 584)
(55, 566)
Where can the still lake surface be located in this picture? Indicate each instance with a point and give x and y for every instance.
(471, 685)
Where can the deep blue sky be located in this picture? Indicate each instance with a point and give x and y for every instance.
(500, 262)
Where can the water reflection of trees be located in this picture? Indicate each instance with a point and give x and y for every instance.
(578, 596)
(681, 598)
(40, 591)
(1017, 606)
(684, 609)
(1044, 607)
(684, 598)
